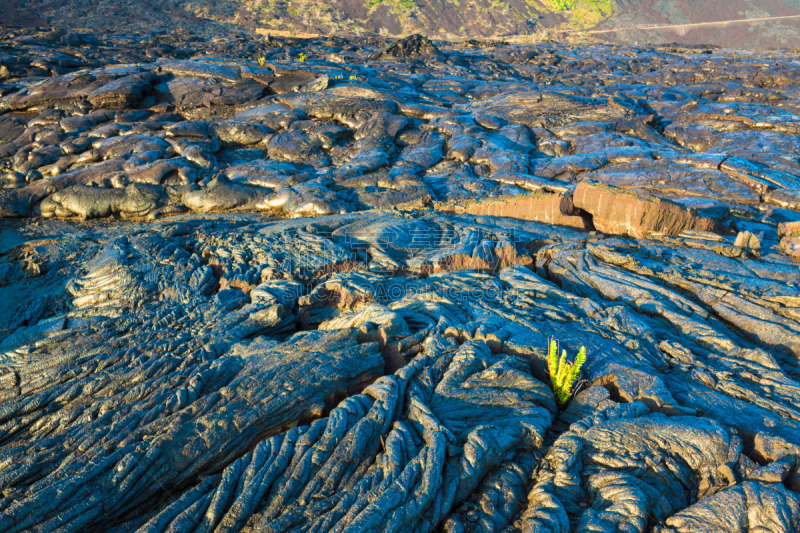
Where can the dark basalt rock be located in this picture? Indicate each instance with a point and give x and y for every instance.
(413, 46)
(315, 294)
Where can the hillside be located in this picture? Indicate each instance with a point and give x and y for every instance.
(531, 20)
(439, 18)
(777, 33)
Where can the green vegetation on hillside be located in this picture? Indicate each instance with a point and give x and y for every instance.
(406, 6)
(583, 13)
(463, 18)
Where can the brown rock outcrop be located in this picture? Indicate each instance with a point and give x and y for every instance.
(624, 212)
(550, 209)
(791, 246)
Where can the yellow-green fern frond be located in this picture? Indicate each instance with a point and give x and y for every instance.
(552, 361)
(562, 368)
(580, 358)
(563, 374)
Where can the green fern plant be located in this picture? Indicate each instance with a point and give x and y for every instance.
(563, 374)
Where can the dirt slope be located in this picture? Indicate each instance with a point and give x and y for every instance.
(779, 33)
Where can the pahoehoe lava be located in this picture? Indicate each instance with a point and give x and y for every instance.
(286, 285)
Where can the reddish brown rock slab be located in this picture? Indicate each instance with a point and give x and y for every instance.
(622, 212)
(768, 448)
(786, 198)
(503, 257)
(791, 246)
(550, 209)
(789, 229)
(745, 239)
(760, 185)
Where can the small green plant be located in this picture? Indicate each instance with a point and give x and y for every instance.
(562, 5)
(260, 61)
(302, 57)
(563, 374)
